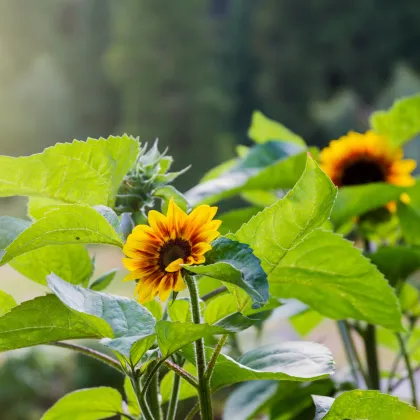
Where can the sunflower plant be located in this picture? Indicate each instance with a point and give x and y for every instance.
(202, 279)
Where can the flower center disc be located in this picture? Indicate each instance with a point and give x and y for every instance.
(362, 172)
(172, 250)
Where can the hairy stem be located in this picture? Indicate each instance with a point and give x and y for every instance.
(91, 353)
(146, 413)
(182, 372)
(372, 357)
(204, 394)
(409, 368)
(151, 391)
(173, 402)
(215, 355)
(214, 293)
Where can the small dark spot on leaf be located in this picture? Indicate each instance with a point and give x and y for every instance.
(77, 238)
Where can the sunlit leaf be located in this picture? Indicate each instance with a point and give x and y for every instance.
(365, 405)
(132, 401)
(263, 129)
(130, 322)
(400, 123)
(234, 219)
(72, 223)
(304, 322)
(7, 302)
(86, 404)
(10, 229)
(101, 282)
(79, 172)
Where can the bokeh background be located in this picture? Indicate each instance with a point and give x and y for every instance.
(190, 73)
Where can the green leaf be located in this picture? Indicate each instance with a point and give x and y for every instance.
(400, 123)
(7, 302)
(396, 262)
(357, 200)
(263, 129)
(409, 222)
(322, 406)
(319, 268)
(234, 219)
(186, 389)
(45, 319)
(369, 405)
(130, 322)
(111, 217)
(39, 206)
(270, 166)
(86, 404)
(233, 262)
(172, 336)
(80, 172)
(331, 276)
(132, 401)
(305, 321)
(70, 262)
(219, 170)
(101, 282)
(10, 229)
(72, 223)
(155, 308)
(409, 299)
(179, 310)
(246, 401)
(292, 361)
(166, 193)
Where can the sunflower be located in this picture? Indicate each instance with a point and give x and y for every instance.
(357, 159)
(156, 252)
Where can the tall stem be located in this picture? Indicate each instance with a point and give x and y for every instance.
(146, 413)
(204, 394)
(372, 357)
(173, 402)
(409, 369)
(151, 393)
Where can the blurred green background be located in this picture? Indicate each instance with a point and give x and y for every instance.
(190, 73)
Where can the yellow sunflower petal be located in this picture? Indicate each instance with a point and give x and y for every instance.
(174, 265)
(159, 223)
(200, 248)
(179, 283)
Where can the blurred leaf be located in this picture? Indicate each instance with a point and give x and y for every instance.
(400, 123)
(87, 172)
(322, 406)
(409, 299)
(132, 401)
(179, 311)
(72, 223)
(410, 223)
(234, 262)
(234, 219)
(45, 319)
(236, 322)
(70, 262)
(357, 200)
(166, 193)
(7, 302)
(305, 321)
(219, 170)
(130, 322)
(248, 399)
(367, 405)
(86, 404)
(186, 389)
(101, 282)
(262, 198)
(291, 361)
(396, 262)
(10, 229)
(263, 129)
(155, 308)
(270, 166)
(172, 336)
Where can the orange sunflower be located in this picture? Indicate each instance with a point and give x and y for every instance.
(357, 159)
(157, 252)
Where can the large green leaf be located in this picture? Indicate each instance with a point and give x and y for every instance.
(70, 262)
(304, 322)
(272, 165)
(87, 404)
(410, 222)
(357, 200)
(234, 262)
(7, 302)
(72, 223)
(331, 276)
(45, 319)
(263, 129)
(400, 123)
(293, 361)
(396, 262)
(130, 322)
(317, 267)
(172, 336)
(80, 172)
(366, 405)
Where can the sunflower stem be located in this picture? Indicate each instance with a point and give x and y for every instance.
(215, 355)
(146, 413)
(204, 394)
(173, 402)
(151, 391)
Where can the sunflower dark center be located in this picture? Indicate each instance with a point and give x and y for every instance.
(362, 172)
(172, 250)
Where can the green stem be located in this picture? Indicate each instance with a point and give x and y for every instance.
(348, 348)
(151, 391)
(173, 402)
(214, 293)
(146, 413)
(193, 412)
(204, 394)
(372, 357)
(409, 369)
(91, 353)
(215, 355)
(182, 372)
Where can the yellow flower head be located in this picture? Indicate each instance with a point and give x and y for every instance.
(156, 252)
(357, 159)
